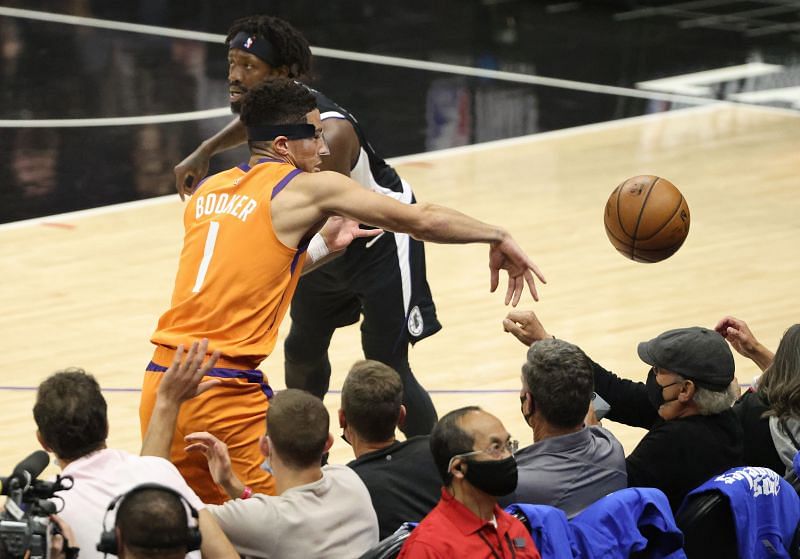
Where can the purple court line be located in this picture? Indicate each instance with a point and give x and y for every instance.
(433, 391)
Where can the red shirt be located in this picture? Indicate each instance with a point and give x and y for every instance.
(452, 530)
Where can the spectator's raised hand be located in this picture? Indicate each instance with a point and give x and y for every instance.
(525, 326)
(181, 381)
(738, 334)
(219, 461)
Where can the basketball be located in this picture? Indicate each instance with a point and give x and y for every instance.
(647, 218)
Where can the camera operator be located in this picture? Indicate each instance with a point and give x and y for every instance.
(29, 528)
(60, 544)
(71, 417)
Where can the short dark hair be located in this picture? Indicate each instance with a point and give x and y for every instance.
(152, 522)
(290, 46)
(277, 101)
(371, 397)
(297, 425)
(71, 413)
(448, 439)
(560, 380)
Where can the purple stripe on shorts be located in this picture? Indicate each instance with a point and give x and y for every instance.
(251, 375)
(284, 181)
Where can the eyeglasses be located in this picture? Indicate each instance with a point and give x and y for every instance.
(495, 451)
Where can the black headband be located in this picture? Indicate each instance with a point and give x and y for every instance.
(270, 132)
(255, 45)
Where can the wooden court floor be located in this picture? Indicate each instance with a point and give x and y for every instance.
(86, 290)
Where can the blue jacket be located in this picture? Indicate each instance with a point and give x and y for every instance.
(766, 509)
(549, 529)
(612, 527)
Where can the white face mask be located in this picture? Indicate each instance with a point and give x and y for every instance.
(265, 465)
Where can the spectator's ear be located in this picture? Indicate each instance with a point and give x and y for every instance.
(120, 547)
(263, 444)
(42, 441)
(342, 420)
(687, 391)
(328, 443)
(401, 416)
(458, 469)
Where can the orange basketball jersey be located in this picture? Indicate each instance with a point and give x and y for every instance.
(235, 278)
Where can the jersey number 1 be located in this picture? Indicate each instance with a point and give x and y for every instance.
(208, 252)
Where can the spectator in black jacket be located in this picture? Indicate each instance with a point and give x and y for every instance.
(685, 405)
(770, 410)
(401, 477)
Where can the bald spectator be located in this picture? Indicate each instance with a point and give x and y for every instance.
(151, 523)
(474, 455)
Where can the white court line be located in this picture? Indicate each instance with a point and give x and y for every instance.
(365, 57)
(405, 159)
(116, 121)
(697, 83)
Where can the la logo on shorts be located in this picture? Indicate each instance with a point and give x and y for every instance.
(415, 323)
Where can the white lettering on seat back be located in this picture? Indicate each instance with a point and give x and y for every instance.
(238, 205)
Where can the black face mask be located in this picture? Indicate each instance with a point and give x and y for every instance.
(495, 477)
(655, 392)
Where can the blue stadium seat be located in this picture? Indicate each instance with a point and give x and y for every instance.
(747, 512)
(549, 529)
(632, 523)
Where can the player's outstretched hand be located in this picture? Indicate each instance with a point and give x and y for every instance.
(738, 334)
(507, 255)
(339, 232)
(525, 326)
(190, 171)
(181, 381)
(216, 452)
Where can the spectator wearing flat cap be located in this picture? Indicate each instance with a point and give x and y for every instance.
(685, 405)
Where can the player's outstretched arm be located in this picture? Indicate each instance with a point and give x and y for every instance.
(191, 170)
(337, 195)
(738, 334)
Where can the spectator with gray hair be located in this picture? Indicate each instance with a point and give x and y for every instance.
(685, 405)
(570, 465)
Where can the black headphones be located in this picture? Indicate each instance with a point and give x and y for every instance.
(108, 539)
